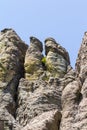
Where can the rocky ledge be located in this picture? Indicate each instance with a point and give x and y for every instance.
(41, 92)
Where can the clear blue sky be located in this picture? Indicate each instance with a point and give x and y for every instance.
(64, 20)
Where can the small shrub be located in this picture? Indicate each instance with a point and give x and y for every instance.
(44, 60)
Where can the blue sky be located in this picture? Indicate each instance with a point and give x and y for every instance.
(64, 20)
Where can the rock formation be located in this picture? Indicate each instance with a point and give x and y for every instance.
(12, 54)
(57, 59)
(40, 92)
(33, 64)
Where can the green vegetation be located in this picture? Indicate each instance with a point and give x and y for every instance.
(44, 60)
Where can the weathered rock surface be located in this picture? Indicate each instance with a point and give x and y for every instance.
(40, 92)
(47, 121)
(57, 59)
(12, 53)
(74, 95)
(38, 98)
(33, 63)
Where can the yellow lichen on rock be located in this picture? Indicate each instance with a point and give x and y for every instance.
(33, 60)
(56, 63)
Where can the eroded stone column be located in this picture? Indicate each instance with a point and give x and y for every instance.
(12, 53)
(33, 60)
(57, 58)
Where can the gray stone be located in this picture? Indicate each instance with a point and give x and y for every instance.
(57, 59)
(36, 97)
(46, 121)
(12, 54)
(41, 93)
(33, 60)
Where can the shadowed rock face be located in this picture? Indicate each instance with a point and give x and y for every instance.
(40, 92)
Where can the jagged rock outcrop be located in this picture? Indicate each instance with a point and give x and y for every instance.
(33, 64)
(74, 95)
(12, 54)
(57, 59)
(40, 92)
